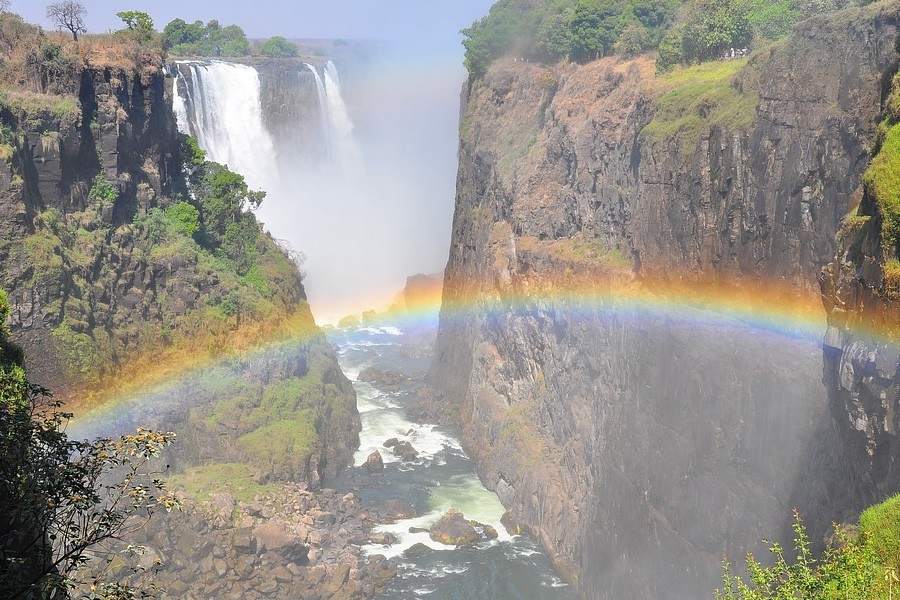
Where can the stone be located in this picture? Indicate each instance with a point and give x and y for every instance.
(405, 451)
(391, 442)
(417, 550)
(453, 529)
(374, 463)
(384, 538)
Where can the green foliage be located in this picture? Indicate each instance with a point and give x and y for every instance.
(136, 20)
(239, 243)
(879, 526)
(699, 97)
(862, 568)
(38, 111)
(595, 28)
(231, 304)
(235, 478)
(62, 500)
(891, 275)
(278, 47)
(580, 29)
(44, 250)
(713, 26)
(178, 32)
(633, 40)
(773, 19)
(882, 181)
(191, 152)
(223, 199)
(196, 39)
(103, 191)
(77, 351)
(184, 217)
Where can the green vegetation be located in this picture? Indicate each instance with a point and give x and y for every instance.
(61, 501)
(854, 567)
(882, 181)
(235, 478)
(185, 218)
(103, 191)
(683, 31)
(576, 251)
(41, 111)
(278, 47)
(696, 98)
(138, 25)
(275, 425)
(197, 39)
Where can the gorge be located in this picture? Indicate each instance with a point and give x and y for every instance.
(667, 317)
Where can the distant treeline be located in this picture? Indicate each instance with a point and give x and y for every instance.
(196, 39)
(683, 31)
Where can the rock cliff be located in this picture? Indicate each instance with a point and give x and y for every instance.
(113, 293)
(643, 449)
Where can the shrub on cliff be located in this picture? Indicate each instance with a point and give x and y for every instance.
(861, 567)
(57, 501)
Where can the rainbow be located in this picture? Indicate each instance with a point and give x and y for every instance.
(756, 308)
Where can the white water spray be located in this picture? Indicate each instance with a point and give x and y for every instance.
(223, 111)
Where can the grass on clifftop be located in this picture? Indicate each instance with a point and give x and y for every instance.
(694, 99)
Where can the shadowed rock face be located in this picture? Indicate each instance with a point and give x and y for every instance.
(641, 451)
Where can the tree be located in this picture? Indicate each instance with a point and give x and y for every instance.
(278, 47)
(595, 28)
(68, 14)
(4, 6)
(62, 500)
(714, 26)
(135, 19)
(180, 32)
(224, 197)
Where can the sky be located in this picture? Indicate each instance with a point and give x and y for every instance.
(433, 23)
(362, 234)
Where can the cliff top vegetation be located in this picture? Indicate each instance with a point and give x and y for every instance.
(681, 31)
(861, 563)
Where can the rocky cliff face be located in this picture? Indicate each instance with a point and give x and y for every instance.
(642, 449)
(109, 297)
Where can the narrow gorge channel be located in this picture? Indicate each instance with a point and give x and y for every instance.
(441, 478)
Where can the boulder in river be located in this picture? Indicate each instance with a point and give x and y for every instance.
(374, 463)
(405, 451)
(454, 530)
(384, 538)
(417, 550)
(390, 443)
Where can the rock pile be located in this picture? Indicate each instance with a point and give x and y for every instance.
(292, 543)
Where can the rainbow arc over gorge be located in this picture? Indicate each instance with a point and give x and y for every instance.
(757, 308)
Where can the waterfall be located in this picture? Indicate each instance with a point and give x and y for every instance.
(339, 145)
(291, 135)
(222, 110)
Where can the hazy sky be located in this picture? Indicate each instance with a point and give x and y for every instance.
(433, 23)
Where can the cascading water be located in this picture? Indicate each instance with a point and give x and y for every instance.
(222, 110)
(340, 127)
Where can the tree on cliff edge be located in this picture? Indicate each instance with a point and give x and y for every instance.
(68, 14)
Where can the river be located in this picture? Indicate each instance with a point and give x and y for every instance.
(443, 477)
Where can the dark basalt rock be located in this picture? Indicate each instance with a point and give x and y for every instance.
(374, 463)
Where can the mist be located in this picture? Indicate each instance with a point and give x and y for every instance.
(369, 211)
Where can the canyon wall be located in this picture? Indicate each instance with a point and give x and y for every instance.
(112, 294)
(643, 448)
